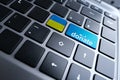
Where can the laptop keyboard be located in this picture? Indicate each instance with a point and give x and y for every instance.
(73, 38)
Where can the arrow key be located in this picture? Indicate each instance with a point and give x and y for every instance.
(78, 73)
(54, 66)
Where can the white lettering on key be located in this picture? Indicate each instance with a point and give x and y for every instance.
(85, 55)
(81, 38)
(53, 64)
(92, 13)
(61, 43)
(109, 22)
(78, 77)
(19, 1)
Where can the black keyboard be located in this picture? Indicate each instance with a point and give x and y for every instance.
(62, 39)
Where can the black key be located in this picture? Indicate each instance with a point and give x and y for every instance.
(59, 10)
(110, 23)
(30, 53)
(10, 70)
(76, 18)
(0, 27)
(21, 6)
(9, 41)
(4, 12)
(96, 8)
(60, 1)
(111, 16)
(85, 56)
(39, 14)
(107, 48)
(5, 1)
(78, 73)
(84, 2)
(91, 14)
(37, 32)
(92, 26)
(54, 66)
(17, 22)
(73, 5)
(105, 66)
(44, 3)
(97, 77)
(61, 44)
(109, 34)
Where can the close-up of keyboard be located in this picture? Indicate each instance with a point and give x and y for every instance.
(58, 40)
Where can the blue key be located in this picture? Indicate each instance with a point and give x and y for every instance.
(82, 35)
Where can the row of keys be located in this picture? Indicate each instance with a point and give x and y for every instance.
(23, 6)
(75, 72)
(59, 42)
(14, 20)
(73, 16)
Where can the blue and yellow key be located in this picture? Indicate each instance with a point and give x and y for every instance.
(57, 23)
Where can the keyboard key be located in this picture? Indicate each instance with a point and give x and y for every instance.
(73, 5)
(57, 23)
(9, 41)
(78, 73)
(54, 66)
(37, 32)
(85, 56)
(39, 14)
(105, 66)
(75, 18)
(109, 34)
(11, 70)
(84, 2)
(107, 48)
(110, 23)
(21, 6)
(91, 14)
(59, 10)
(111, 16)
(44, 3)
(4, 12)
(61, 44)
(96, 8)
(5, 1)
(0, 27)
(30, 53)
(82, 36)
(60, 1)
(97, 77)
(92, 26)
(17, 22)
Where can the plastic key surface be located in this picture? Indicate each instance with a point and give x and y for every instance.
(82, 35)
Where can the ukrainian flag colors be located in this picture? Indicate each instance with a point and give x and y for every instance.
(57, 23)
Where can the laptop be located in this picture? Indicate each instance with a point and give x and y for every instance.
(59, 40)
